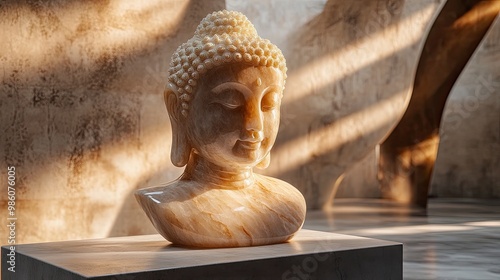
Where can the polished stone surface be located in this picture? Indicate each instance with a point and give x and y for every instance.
(311, 255)
(455, 239)
(223, 98)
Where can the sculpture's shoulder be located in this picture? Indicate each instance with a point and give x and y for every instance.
(281, 190)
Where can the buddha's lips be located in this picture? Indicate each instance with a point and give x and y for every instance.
(250, 145)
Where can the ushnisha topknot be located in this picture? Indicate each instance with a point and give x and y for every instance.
(221, 37)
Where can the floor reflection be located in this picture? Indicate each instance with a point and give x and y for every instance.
(453, 239)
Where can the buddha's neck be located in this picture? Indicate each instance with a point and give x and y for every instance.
(200, 170)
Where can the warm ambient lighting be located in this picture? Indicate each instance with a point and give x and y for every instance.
(357, 55)
(118, 168)
(68, 44)
(379, 116)
(372, 118)
(85, 40)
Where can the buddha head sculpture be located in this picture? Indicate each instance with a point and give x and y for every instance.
(223, 97)
(224, 92)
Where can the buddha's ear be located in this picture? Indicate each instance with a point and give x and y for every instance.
(181, 148)
(264, 163)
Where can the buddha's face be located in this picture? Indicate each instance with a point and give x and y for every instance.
(234, 116)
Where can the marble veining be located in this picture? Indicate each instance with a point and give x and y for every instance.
(223, 98)
(199, 216)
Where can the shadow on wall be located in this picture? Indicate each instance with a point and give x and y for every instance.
(351, 69)
(80, 109)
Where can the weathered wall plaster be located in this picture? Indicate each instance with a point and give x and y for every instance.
(468, 163)
(82, 116)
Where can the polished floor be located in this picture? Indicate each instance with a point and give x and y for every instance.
(454, 239)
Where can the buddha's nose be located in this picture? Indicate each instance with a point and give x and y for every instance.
(253, 130)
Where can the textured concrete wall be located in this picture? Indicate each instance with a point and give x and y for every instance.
(82, 117)
(81, 110)
(468, 163)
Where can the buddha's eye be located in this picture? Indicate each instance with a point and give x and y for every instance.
(231, 106)
(271, 101)
(230, 99)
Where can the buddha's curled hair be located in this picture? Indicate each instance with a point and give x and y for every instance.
(221, 37)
